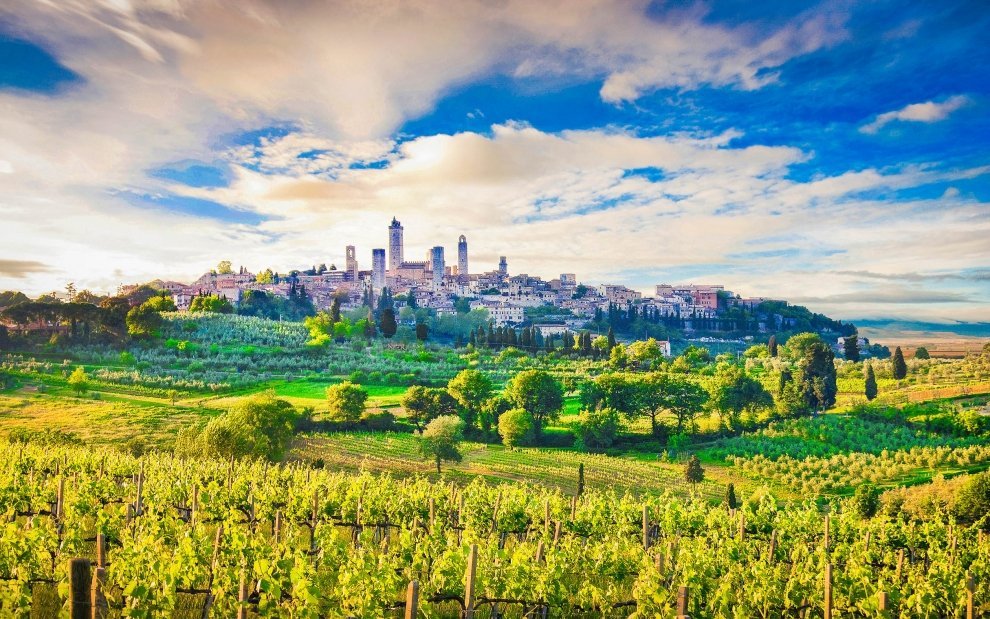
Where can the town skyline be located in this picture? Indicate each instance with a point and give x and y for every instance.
(831, 155)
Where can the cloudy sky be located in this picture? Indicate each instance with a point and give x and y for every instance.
(837, 155)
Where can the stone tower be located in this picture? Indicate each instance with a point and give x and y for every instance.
(352, 265)
(436, 262)
(377, 269)
(462, 258)
(395, 245)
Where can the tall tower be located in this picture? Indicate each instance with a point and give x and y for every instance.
(503, 266)
(436, 261)
(377, 269)
(352, 265)
(462, 263)
(394, 245)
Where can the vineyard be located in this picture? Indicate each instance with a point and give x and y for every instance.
(399, 453)
(181, 538)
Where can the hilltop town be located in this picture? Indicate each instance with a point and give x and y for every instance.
(447, 288)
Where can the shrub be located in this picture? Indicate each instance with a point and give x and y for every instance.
(378, 420)
(516, 427)
(598, 428)
(260, 426)
(973, 500)
(866, 500)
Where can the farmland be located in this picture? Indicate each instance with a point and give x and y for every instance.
(619, 437)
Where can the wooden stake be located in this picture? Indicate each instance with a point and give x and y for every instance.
(433, 514)
(556, 533)
(469, 594)
(539, 552)
(216, 553)
(98, 599)
(101, 550)
(412, 599)
(828, 591)
(682, 603)
(742, 527)
(242, 597)
(80, 589)
(827, 521)
(195, 505)
(60, 499)
(498, 503)
(970, 594)
(546, 517)
(773, 545)
(646, 528)
(138, 509)
(883, 604)
(900, 566)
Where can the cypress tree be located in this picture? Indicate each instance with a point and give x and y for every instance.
(730, 497)
(772, 345)
(369, 329)
(611, 338)
(850, 348)
(580, 488)
(899, 367)
(871, 382)
(388, 325)
(693, 472)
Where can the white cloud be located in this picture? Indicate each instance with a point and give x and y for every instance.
(164, 80)
(928, 112)
(360, 69)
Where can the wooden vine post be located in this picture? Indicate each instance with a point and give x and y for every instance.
(412, 600)
(646, 527)
(97, 598)
(970, 594)
(883, 604)
(682, 603)
(80, 589)
(827, 521)
(470, 598)
(828, 591)
(242, 597)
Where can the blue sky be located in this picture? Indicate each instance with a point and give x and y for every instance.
(834, 154)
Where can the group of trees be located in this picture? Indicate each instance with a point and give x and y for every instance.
(261, 426)
(534, 398)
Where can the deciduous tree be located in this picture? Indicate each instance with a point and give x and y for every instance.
(346, 401)
(539, 394)
(441, 439)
